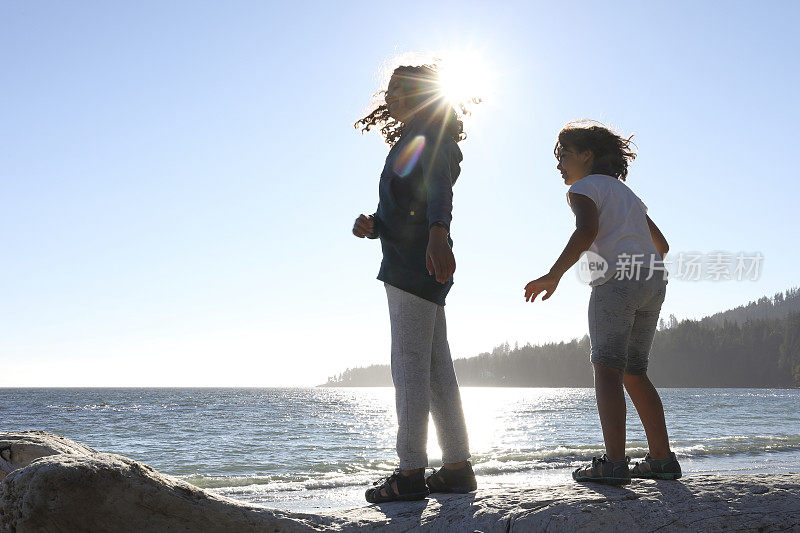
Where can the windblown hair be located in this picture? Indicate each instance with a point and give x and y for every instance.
(612, 152)
(429, 100)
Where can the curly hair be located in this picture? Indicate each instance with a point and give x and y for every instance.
(432, 100)
(611, 151)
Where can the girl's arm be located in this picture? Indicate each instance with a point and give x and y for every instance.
(438, 179)
(658, 238)
(586, 225)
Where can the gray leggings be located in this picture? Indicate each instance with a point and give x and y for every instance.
(424, 381)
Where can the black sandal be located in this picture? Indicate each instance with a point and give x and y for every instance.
(459, 480)
(409, 488)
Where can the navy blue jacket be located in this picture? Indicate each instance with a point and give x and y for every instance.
(415, 190)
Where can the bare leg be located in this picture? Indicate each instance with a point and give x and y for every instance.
(611, 407)
(651, 412)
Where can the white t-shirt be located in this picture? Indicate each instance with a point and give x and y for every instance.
(623, 236)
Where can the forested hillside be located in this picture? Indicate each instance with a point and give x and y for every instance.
(755, 345)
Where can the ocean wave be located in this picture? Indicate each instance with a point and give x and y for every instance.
(250, 484)
(91, 407)
(568, 455)
(488, 464)
(733, 445)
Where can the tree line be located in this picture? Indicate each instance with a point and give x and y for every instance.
(755, 345)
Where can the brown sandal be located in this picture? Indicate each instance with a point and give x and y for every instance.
(650, 468)
(603, 470)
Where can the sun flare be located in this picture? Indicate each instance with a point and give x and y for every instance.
(464, 77)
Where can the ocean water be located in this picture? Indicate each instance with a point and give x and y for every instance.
(320, 448)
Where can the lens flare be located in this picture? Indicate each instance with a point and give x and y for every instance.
(464, 77)
(409, 156)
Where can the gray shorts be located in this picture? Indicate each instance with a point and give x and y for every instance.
(623, 315)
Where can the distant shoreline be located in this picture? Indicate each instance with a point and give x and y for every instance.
(754, 346)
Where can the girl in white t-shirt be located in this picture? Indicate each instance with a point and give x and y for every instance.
(625, 270)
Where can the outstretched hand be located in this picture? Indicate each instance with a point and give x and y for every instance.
(546, 283)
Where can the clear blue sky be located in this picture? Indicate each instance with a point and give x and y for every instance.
(179, 179)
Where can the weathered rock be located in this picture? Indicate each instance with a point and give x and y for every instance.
(18, 449)
(99, 492)
(695, 503)
(109, 492)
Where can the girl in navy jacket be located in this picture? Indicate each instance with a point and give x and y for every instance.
(413, 224)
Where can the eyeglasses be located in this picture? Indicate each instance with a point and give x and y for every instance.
(562, 154)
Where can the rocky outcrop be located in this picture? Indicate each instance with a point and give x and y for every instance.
(106, 492)
(71, 487)
(17, 450)
(696, 503)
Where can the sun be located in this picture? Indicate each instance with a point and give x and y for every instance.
(464, 77)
